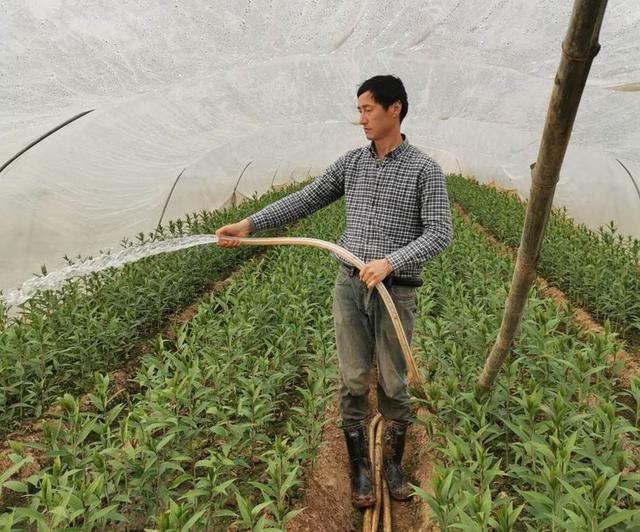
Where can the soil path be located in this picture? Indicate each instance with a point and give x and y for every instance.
(327, 499)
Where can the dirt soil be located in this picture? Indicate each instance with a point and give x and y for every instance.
(327, 500)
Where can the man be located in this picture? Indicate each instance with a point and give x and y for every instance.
(398, 217)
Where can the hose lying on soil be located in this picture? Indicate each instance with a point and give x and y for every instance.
(382, 508)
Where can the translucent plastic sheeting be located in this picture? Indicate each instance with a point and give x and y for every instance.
(210, 86)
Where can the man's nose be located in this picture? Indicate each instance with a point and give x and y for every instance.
(363, 119)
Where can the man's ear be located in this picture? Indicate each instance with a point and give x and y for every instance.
(396, 107)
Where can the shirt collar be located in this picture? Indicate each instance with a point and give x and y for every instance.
(395, 152)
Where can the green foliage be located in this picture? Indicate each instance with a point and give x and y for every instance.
(224, 416)
(548, 449)
(94, 323)
(598, 270)
(224, 419)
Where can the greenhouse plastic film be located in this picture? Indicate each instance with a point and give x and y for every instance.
(209, 87)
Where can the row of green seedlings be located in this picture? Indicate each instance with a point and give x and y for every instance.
(598, 270)
(95, 323)
(552, 448)
(227, 415)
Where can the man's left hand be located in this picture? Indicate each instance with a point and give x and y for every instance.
(375, 271)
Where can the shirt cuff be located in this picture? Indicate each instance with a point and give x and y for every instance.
(397, 260)
(255, 223)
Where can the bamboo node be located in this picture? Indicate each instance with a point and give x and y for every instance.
(577, 58)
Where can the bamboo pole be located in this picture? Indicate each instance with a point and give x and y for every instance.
(578, 50)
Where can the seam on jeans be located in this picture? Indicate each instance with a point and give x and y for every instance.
(408, 301)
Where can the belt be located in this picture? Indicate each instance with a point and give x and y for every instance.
(389, 280)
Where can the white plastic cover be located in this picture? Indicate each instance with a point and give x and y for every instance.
(211, 85)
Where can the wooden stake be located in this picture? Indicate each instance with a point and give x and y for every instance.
(578, 50)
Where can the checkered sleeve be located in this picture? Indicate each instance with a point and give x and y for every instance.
(324, 190)
(435, 213)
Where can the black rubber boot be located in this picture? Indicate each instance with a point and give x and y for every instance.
(394, 438)
(362, 495)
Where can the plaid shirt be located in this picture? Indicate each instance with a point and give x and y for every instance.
(397, 208)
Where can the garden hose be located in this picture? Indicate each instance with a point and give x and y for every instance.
(367, 522)
(382, 507)
(413, 377)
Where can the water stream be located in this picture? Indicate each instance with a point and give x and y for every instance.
(106, 260)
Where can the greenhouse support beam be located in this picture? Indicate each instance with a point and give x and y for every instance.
(42, 137)
(578, 50)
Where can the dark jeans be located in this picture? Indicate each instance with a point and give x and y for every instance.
(363, 326)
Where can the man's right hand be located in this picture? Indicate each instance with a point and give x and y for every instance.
(239, 229)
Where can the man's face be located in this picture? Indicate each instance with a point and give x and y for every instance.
(377, 121)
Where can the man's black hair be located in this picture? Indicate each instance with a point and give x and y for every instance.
(386, 90)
